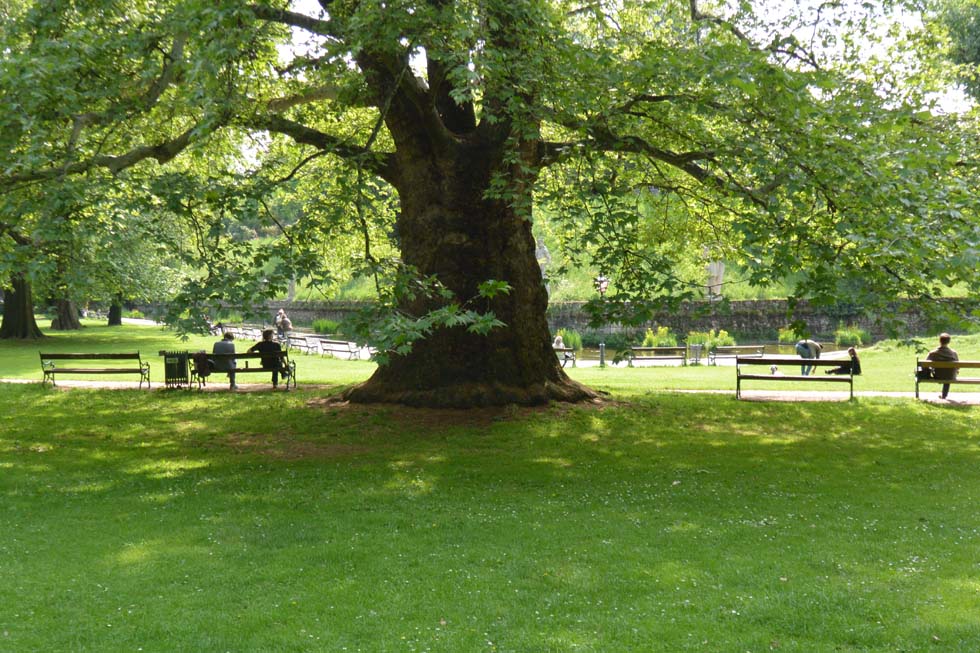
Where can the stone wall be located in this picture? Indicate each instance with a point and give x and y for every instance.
(750, 321)
(747, 321)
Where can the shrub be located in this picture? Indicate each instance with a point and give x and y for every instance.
(711, 338)
(134, 314)
(325, 326)
(787, 335)
(850, 335)
(662, 337)
(571, 338)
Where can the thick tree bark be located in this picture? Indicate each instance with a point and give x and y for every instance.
(66, 316)
(18, 311)
(115, 313)
(448, 228)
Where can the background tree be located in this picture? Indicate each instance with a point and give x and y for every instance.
(809, 155)
(961, 19)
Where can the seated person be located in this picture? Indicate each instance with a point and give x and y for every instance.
(269, 345)
(226, 346)
(852, 366)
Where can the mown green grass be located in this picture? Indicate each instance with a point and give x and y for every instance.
(182, 521)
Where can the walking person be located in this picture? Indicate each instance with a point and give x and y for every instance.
(808, 349)
(226, 346)
(943, 353)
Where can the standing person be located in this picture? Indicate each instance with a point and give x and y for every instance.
(282, 323)
(808, 349)
(943, 353)
(852, 366)
(268, 345)
(226, 346)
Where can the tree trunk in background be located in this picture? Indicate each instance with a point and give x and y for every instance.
(66, 316)
(448, 228)
(18, 311)
(115, 312)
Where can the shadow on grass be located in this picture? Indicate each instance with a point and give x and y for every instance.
(814, 526)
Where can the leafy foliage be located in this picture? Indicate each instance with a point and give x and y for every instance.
(660, 337)
(710, 338)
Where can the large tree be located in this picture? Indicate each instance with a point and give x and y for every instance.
(779, 132)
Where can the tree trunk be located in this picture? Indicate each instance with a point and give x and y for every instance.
(18, 311)
(115, 313)
(448, 228)
(66, 316)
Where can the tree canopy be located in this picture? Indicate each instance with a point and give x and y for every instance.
(802, 140)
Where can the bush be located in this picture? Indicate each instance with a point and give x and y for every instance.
(710, 339)
(787, 335)
(326, 327)
(851, 336)
(571, 338)
(662, 337)
(134, 314)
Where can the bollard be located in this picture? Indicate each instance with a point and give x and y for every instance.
(602, 354)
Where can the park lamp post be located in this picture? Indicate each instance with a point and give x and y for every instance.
(602, 284)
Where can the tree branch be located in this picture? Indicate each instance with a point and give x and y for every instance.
(161, 152)
(378, 163)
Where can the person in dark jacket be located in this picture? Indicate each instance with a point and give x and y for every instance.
(943, 353)
(852, 366)
(269, 345)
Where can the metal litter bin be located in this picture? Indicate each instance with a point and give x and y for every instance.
(176, 368)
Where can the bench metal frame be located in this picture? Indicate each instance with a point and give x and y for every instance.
(50, 365)
(741, 361)
(945, 365)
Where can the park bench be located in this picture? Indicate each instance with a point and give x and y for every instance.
(920, 366)
(730, 352)
(247, 362)
(338, 348)
(565, 354)
(789, 362)
(125, 363)
(657, 354)
(299, 343)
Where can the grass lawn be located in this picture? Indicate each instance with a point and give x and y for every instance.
(181, 521)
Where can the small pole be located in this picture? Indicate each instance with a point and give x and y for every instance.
(602, 284)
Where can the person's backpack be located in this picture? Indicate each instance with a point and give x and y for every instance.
(203, 366)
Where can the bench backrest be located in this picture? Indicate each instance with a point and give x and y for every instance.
(93, 357)
(743, 350)
(334, 343)
(791, 360)
(948, 365)
(249, 355)
(681, 349)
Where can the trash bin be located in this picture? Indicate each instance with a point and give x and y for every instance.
(176, 370)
